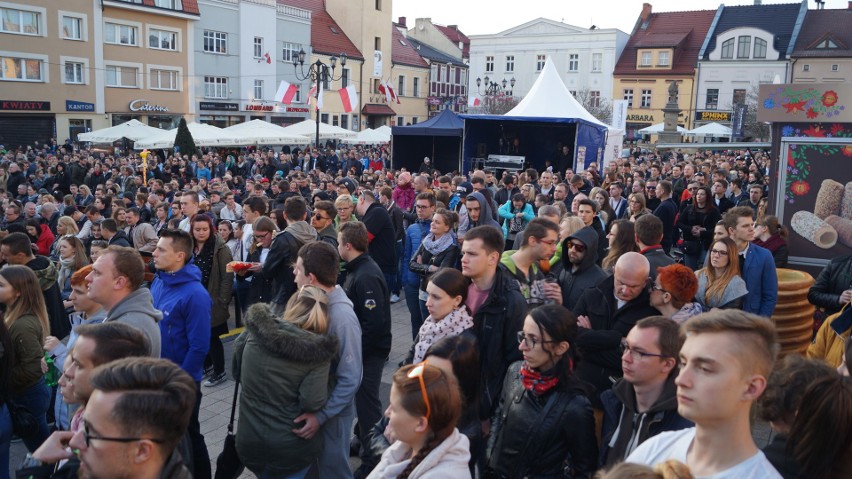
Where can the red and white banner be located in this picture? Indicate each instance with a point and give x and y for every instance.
(286, 92)
(349, 98)
(472, 101)
(267, 58)
(312, 93)
(390, 94)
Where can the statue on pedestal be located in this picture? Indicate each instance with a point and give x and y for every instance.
(673, 92)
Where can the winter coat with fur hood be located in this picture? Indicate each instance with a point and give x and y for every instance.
(284, 373)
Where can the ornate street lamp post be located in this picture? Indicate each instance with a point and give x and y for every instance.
(493, 89)
(317, 72)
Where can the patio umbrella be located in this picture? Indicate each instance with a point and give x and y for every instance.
(259, 132)
(327, 132)
(202, 134)
(658, 128)
(710, 129)
(132, 130)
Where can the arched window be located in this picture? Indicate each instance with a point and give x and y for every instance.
(759, 48)
(743, 47)
(728, 48)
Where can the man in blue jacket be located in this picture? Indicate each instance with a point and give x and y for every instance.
(185, 327)
(756, 264)
(424, 205)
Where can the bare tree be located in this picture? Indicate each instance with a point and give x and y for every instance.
(754, 129)
(599, 107)
(495, 105)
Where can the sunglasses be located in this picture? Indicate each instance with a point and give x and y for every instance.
(578, 247)
(320, 217)
(417, 372)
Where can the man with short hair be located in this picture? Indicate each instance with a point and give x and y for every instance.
(13, 216)
(616, 200)
(643, 402)
(189, 207)
(185, 327)
(366, 288)
(110, 232)
(605, 314)
(539, 241)
(724, 363)
(232, 210)
(424, 204)
(667, 213)
(317, 264)
(757, 267)
(396, 215)
(579, 270)
(649, 234)
(723, 204)
(651, 199)
(142, 234)
(323, 221)
(380, 233)
(755, 193)
(283, 250)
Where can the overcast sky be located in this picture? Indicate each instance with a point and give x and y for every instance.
(478, 17)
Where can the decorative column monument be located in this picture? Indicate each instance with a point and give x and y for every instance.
(670, 115)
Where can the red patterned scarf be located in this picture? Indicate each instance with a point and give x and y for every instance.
(536, 382)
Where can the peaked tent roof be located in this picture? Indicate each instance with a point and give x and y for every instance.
(445, 123)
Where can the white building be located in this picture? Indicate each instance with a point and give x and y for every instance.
(584, 57)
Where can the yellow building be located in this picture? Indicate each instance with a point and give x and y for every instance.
(410, 74)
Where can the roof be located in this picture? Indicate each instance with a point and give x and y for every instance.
(377, 109)
(445, 123)
(326, 35)
(452, 32)
(402, 52)
(188, 6)
(777, 19)
(822, 25)
(683, 31)
(434, 55)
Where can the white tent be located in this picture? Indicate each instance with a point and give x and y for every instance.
(327, 132)
(710, 129)
(132, 130)
(202, 134)
(371, 137)
(658, 128)
(259, 132)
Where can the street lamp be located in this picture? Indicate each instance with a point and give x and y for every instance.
(493, 89)
(317, 72)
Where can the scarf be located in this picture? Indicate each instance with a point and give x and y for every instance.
(537, 382)
(437, 246)
(65, 271)
(433, 330)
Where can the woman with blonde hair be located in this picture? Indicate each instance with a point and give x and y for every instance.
(72, 256)
(283, 365)
(636, 206)
(345, 206)
(25, 317)
(670, 469)
(65, 225)
(719, 284)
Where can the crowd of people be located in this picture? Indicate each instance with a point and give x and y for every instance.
(611, 322)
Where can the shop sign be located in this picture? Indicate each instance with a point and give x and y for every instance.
(143, 105)
(212, 105)
(24, 105)
(641, 118)
(433, 100)
(259, 107)
(297, 109)
(71, 105)
(713, 115)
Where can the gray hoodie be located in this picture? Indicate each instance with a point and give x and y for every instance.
(486, 216)
(346, 367)
(302, 231)
(137, 310)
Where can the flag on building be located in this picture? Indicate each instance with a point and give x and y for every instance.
(267, 57)
(286, 92)
(473, 101)
(383, 89)
(349, 98)
(318, 102)
(393, 97)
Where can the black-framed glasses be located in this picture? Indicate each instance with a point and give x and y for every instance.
(87, 436)
(417, 372)
(637, 355)
(529, 341)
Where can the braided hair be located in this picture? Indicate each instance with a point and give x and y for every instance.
(444, 399)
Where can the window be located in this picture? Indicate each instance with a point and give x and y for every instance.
(806, 68)
(573, 62)
(344, 122)
(120, 34)
(510, 63)
(326, 82)
(258, 47)
(170, 4)
(415, 87)
(400, 90)
(759, 48)
(595, 99)
(377, 43)
(298, 97)
(20, 21)
(646, 99)
(826, 44)
(539, 62)
(646, 59)
(334, 120)
(376, 82)
(400, 121)
(489, 64)
(379, 5)
(162, 40)
(215, 87)
(739, 96)
(663, 59)
(215, 42)
(573, 93)
(164, 80)
(743, 46)
(344, 78)
(74, 73)
(324, 118)
(728, 48)
(712, 99)
(23, 69)
(628, 95)
(597, 62)
(122, 76)
(290, 52)
(835, 67)
(72, 28)
(414, 120)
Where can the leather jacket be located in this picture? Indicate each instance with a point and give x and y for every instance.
(444, 259)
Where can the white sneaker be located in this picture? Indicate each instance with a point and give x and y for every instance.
(394, 298)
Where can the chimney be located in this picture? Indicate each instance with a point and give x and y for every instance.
(402, 22)
(646, 12)
(453, 27)
(758, 2)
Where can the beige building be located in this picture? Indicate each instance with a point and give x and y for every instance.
(410, 74)
(79, 65)
(823, 52)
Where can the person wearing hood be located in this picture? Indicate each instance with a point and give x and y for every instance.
(672, 293)
(283, 251)
(478, 214)
(579, 270)
(643, 403)
(185, 327)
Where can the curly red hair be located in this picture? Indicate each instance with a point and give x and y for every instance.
(680, 282)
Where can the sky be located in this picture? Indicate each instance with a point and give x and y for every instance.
(478, 17)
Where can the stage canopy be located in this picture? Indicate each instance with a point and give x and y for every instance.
(439, 138)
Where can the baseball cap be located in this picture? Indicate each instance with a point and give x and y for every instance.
(464, 189)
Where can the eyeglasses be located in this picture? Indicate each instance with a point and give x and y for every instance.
(637, 355)
(261, 236)
(654, 287)
(578, 247)
(421, 207)
(87, 436)
(530, 342)
(548, 242)
(417, 372)
(718, 252)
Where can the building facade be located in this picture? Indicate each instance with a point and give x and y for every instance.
(823, 52)
(410, 74)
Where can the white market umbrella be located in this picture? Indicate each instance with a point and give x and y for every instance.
(371, 137)
(710, 129)
(202, 134)
(327, 132)
(133, 130)
(259, 132)
(658, 128)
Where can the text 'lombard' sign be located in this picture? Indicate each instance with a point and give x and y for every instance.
(143, 105)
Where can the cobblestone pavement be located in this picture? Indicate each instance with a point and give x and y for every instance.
(216, 401)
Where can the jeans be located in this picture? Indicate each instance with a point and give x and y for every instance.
(5, 440)
(368, 405)
(398, 283)
(695, 261)
(413, 302)
(37, 400)
(296, 475)
(200, 456)
(333, 462)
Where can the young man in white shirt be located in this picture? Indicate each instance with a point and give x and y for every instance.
(724, 363)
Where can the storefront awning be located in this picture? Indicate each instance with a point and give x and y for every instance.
(377, 109)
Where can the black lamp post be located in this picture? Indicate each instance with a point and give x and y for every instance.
(494, 89)
(317, 72)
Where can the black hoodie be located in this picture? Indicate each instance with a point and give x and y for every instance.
(588, 273)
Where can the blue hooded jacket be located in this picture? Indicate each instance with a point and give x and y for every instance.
(185, 327)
